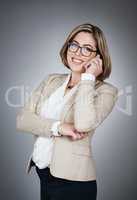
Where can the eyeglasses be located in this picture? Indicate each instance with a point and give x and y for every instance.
(85, 51)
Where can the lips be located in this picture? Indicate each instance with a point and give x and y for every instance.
(77, 61)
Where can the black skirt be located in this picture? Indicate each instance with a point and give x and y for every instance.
(54, 188)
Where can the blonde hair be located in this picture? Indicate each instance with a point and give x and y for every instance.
(101, 46)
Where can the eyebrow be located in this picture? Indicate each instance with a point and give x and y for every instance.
(84, 44)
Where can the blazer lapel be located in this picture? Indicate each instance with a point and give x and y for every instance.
(48, 90)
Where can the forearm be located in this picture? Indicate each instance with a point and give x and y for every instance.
(34, 124)
(28, 120)
(90, 108)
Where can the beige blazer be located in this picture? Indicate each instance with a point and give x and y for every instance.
(87, 108)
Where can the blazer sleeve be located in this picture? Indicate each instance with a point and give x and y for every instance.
(28, 120)
(90, 107)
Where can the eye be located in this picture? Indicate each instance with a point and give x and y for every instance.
(73, 46)
(88, 49)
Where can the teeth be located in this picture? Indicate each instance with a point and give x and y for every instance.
(76, 60)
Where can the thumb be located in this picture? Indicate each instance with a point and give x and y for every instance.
(74, 135)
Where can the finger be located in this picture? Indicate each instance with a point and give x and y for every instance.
(100, 65)
(74, 137)
(101, 62)
(97, 57)
(83, 134)
(78, 135)
(94, 63)
(87, 65)
(73, 133)
(97, 61)
(86, 134)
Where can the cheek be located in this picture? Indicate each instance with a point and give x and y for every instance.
(92, 56)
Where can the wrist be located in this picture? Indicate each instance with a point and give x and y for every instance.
(60, 131)
(88, 76)
(55, 129)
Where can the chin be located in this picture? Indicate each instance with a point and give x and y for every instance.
(75, 68)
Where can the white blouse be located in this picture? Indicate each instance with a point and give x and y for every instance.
(52, 107)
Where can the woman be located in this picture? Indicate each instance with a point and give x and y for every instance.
(67, 108)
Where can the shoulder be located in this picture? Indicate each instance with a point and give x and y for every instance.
(53, 76)
(53, 79)
(57, 75)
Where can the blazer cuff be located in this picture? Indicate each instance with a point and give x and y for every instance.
(54, 128)
(87, 76)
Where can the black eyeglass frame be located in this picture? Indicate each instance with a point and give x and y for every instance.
(78, 46)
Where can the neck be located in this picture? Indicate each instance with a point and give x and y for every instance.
(75, 78)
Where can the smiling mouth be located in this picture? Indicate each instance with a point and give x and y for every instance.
(77, 61)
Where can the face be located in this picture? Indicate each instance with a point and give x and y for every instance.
(75, 59)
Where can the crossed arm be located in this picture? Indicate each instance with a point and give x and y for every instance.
(90, 109)
(27, 119)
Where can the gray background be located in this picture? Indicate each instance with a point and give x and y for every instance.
(31, 35)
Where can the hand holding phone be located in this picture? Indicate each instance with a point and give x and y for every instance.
(94, 66)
